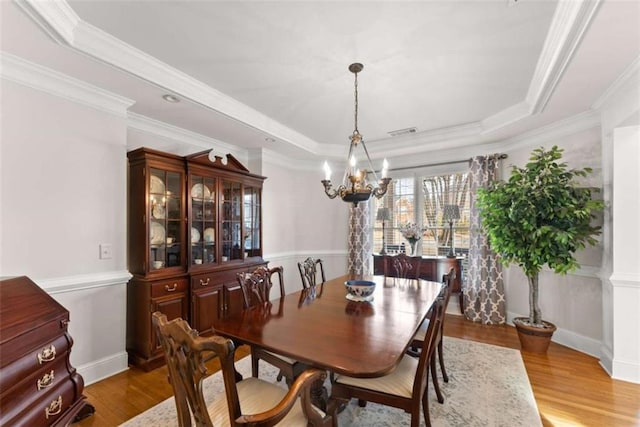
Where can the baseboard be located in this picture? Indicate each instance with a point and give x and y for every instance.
(626, 370)
(103, 368)
(570, 339)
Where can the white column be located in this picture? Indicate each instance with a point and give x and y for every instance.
(625, 279)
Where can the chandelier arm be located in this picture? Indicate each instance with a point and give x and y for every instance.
(332, 194)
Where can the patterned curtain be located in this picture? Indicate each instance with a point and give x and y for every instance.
(484, 291)
(360, 250)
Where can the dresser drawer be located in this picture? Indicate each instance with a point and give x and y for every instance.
(48, 408)
(39, 359)
(15, 348)
(168, 287)
(33, 388)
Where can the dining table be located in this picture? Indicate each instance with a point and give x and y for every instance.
(321, 327)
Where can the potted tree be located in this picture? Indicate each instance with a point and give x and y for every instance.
(541, 215)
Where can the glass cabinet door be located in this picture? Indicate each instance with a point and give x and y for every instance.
(231, 221)
(203, 220)
(165, 222)
(251, 221)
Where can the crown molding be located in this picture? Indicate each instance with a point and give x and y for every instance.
(570, 22)
(580, 122)
(54, 83)
(56, 18)
(175, 133)
(65, 27)
(506, 117)
(630, 76)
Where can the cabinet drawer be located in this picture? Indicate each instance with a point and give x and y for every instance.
(38, 360)
(203, 281)
(168, 287)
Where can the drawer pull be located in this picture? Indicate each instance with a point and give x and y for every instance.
(47, 354)
(46, 380)
(172, 288)
(55, 407)
(205, 283)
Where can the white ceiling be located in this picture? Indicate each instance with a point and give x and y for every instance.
(460, 72)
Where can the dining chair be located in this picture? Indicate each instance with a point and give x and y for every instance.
(309, 272)
(256, 289)
(419, 337)
(405, 387)
(403, 267)
(248, 401)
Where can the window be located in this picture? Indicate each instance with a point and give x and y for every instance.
(421, 200)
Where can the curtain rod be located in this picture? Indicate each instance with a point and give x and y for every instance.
(452, 162)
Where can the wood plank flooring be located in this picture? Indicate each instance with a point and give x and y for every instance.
(571, 389)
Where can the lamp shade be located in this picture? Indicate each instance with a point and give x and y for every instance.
(383, 214)
(451, 212)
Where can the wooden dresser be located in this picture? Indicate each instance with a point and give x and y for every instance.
(38, 385)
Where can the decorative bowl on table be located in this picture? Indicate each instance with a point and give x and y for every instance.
(360, 290)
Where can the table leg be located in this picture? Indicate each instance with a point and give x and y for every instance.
(319, 395)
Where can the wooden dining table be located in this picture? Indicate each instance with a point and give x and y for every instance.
(322, 328)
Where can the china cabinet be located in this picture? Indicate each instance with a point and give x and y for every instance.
(194, 223)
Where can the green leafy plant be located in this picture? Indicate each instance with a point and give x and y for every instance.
(540, 216)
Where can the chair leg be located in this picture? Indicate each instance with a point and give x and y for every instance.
(445, 377)
(434, 376)
(425, 406)
(362, 403)
(254, 365)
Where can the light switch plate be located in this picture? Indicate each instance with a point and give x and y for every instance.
(105, 251)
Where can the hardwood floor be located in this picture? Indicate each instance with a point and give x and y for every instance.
(571, 389)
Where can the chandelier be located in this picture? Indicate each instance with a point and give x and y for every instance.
(355, 186)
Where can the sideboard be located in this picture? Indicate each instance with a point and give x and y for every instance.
(427, 268)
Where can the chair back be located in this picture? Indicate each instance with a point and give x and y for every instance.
(256, 286)
(403, 267)
(309, 272)
(183, 350)
(429, 345)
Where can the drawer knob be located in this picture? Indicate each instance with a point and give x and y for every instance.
(205, 283)
(47, 354)
(172, 288)
(55, 407)
(46, 380)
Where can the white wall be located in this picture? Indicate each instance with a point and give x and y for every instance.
(63, 193)
(300, 222)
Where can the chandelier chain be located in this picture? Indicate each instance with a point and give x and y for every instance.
(356, 103)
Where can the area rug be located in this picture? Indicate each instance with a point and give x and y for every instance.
(488, 386)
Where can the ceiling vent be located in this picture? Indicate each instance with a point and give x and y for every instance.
(402, 131)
